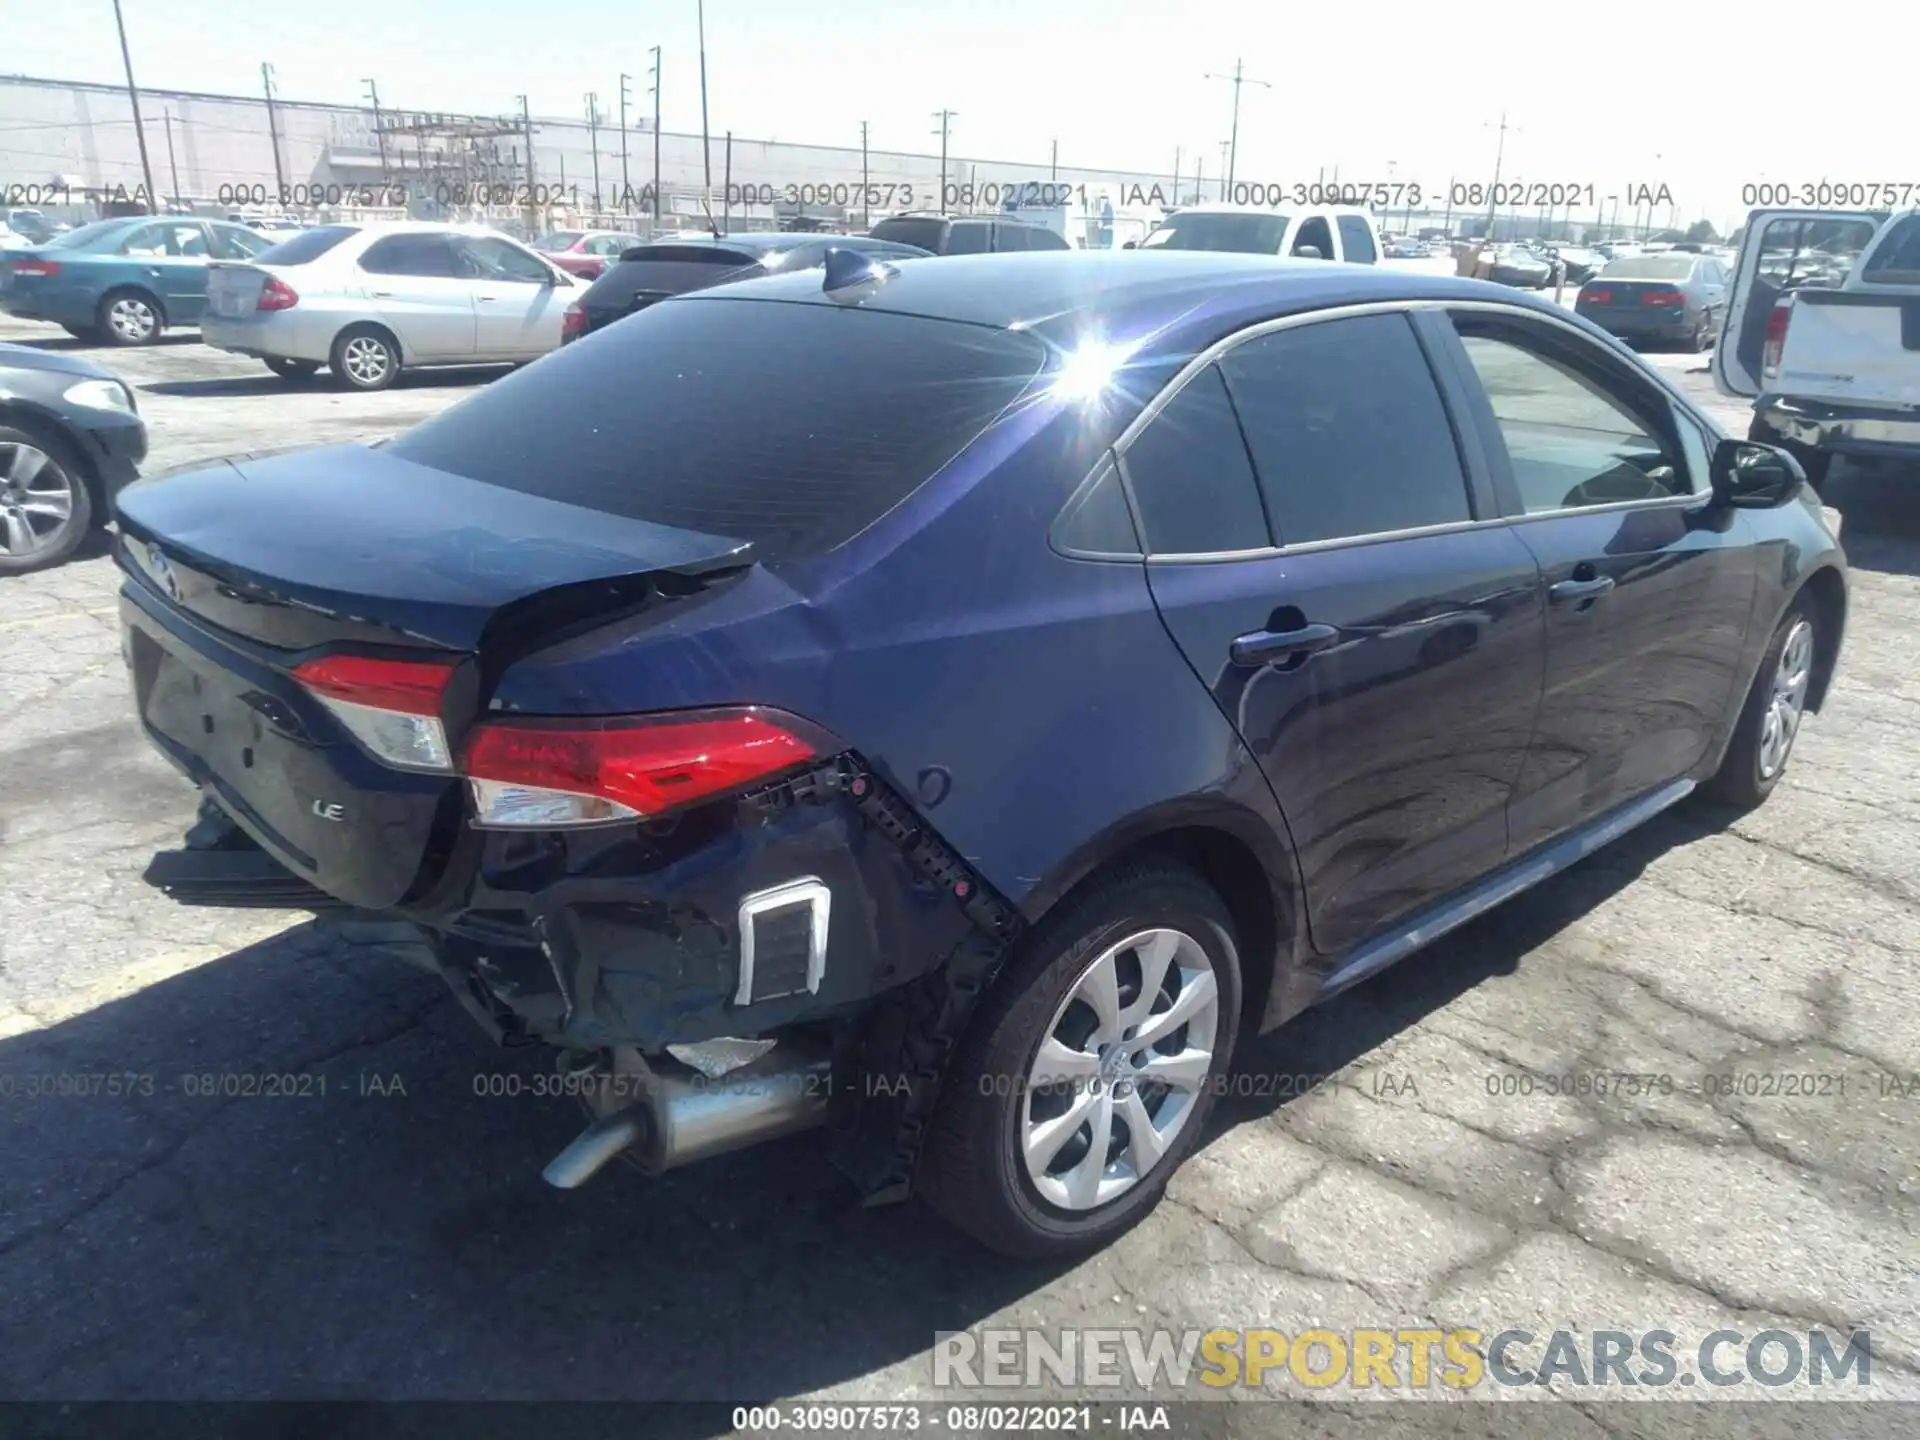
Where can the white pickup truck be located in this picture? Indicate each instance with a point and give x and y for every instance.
(1823, 331)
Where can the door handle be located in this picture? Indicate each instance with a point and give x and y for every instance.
(486, 299)
(1567, 591)
(380, 294)
(1266, 647)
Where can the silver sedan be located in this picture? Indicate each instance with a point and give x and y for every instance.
(371, 300)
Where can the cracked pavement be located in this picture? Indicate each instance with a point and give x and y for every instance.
(391, 1238)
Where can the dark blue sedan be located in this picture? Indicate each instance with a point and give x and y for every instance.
(988, 688)
(122, 281)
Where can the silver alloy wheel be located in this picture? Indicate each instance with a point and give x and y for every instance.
(36, 499)
(132, 318)
(367, 360)
(1119, 1071)
(1789, 698)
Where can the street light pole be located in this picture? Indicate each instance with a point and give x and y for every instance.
(1239, 78)
(172, 165)
(866, 186)
(133, 95)
(1499, 156)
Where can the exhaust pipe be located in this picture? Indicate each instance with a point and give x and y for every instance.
(684, 1115)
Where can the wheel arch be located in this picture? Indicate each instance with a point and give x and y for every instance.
(1828, 593)
(134, 287)
(364, 324)
(24, 414)
(1235, 851)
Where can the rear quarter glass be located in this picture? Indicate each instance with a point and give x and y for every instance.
(851, 412)
(307, 246)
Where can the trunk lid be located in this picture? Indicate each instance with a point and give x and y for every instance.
(297, 549)
(240, 573)
(233, 289)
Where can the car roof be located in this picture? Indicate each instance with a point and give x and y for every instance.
(1221, 209)
(1181, 300)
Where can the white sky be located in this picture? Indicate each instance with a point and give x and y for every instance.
(1703, 97)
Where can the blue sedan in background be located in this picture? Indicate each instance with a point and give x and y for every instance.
(122, 281)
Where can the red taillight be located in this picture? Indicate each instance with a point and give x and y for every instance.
(1662, 297)
(573, 323)
(582, 772)
(1597, 297)
(36, 267)
(276, 294)
(411, 687)
(391, 706)
(1776, 342)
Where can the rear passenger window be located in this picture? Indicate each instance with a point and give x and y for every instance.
(1010, 237)
(1348, 434)
(421, 255)
(1041, 238)
(968, 237)
(1314, 232)
(1897, 259)
(1356, 241)
(1192, 484)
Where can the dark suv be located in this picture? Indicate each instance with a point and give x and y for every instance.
(653, 271)
(968, 234)
(950, 704)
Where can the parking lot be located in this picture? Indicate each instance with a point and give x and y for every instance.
(392, 1238)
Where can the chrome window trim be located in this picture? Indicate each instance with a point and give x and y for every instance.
(1227, 344)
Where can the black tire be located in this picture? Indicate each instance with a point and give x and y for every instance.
(971, 1168)
(350, 363)
(1743, 779)
(1701, 339)
(293, 369)
(83, 332)
(129, 316)
(62, 469)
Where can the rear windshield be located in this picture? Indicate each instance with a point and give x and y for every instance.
(1240, 234)
(306, 245)
(689, 254)
(926, 232)
(1896, 261)
(792, 425)
(1651, 267)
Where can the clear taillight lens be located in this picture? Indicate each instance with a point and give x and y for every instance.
(392, 707)
(1776, 342)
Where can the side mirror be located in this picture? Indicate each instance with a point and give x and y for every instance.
(1750, 476)
(1130, 245)
(1308, 252)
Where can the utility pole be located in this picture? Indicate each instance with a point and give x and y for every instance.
(1226, 171)
(273, 129)
(1053, 170)
(1200, 180)
(726, 188)
(526, 124)
(706, 138)
(593, 138)
(1499, 155)
(626, 185)
(133, 95)
(379, 133)
(656, 137)
(1238, 78)
(1176, 176)
(171, 165)
(945, 117)
(866, 184)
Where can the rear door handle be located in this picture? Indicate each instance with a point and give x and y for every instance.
(1567, 591)
(1265, 647)
(380, 294)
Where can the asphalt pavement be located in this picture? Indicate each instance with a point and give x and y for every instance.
(375, 1226)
